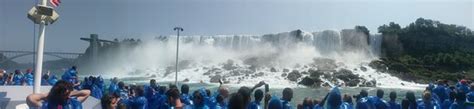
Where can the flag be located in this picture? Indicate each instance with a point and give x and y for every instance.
(55, 3)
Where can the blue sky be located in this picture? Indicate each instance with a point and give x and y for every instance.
(147, 18)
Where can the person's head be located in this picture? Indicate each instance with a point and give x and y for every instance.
(59, 93)
(28, 70)
(173, 95)
(410, 96)
(308, 102)
(162, 89)
(427, 96)
(393, 95)
(121, 85)
(172, 86)
(245, 93)
(109, 101)
(363, 93)
(152, 82)
(380, 93)
(198, 99)
(287, 94)
(74, 67)
(237, 101)
(184, 89)
(347, 98)
(258, 95)
(139, 91)
(17, 72)
(224, 91)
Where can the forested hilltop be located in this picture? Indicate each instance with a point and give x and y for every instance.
(427, 50)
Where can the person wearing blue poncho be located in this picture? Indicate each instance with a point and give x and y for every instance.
(470, 95)
(440, 91)
(113, 86)
(44, 79)
(287, 96)
(123, 93)
(174, 99)
(334, 99)
(198, 101)
(70, 75)
(393, 103)
(447, 103)
(258, 96)
(61, 96)
(275, 103)
(138, 101)
(18, 78)
(347, 102)
(427, 102)
(3, 77)
(185, 98)
(95, 88)
(28, 77)
(377, 101)
(320, 104)
(363, 101)
(52, 80)
(463, 86)
(459, 102)
(150, 91)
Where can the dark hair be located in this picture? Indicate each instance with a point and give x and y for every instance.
(245, 92)
(162, 90)
(59, 93)
(363, 93)
(174, 93)
(287, 94)
(347, 98)
(393, 95)
(106, 100)
(208, 92)
(237, 101)
(380, 93)
(405, 104)
(185, 89)
(460, 96)
(121, 84)
(139, 91)
(258, 95)
(198, 99)
(410, 96)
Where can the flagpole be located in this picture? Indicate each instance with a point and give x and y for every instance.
(39, 54)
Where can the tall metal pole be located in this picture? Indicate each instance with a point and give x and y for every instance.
(39, 54)
(177, 29)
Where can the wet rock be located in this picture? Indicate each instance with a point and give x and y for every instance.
(229, 65)
(346, 75)
(186, 80)
(315, 73)
(372, 83)
(283, 75)
(286, 70)
(378, 65)
(306, 81)
(364, 69)
(294, 75)
(207, 73)
(216, 78)
(352, 83)
(259, 74)
(273, 69)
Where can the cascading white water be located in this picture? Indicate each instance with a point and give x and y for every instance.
(246, 59)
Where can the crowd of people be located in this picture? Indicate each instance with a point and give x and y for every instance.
(69, 92)
(20, 78)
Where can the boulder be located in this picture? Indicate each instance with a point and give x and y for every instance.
(286, 70)
(273, 69)
(294, 75)
(216, 78)
(229, 65)
(364, 69)
(306, 81)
